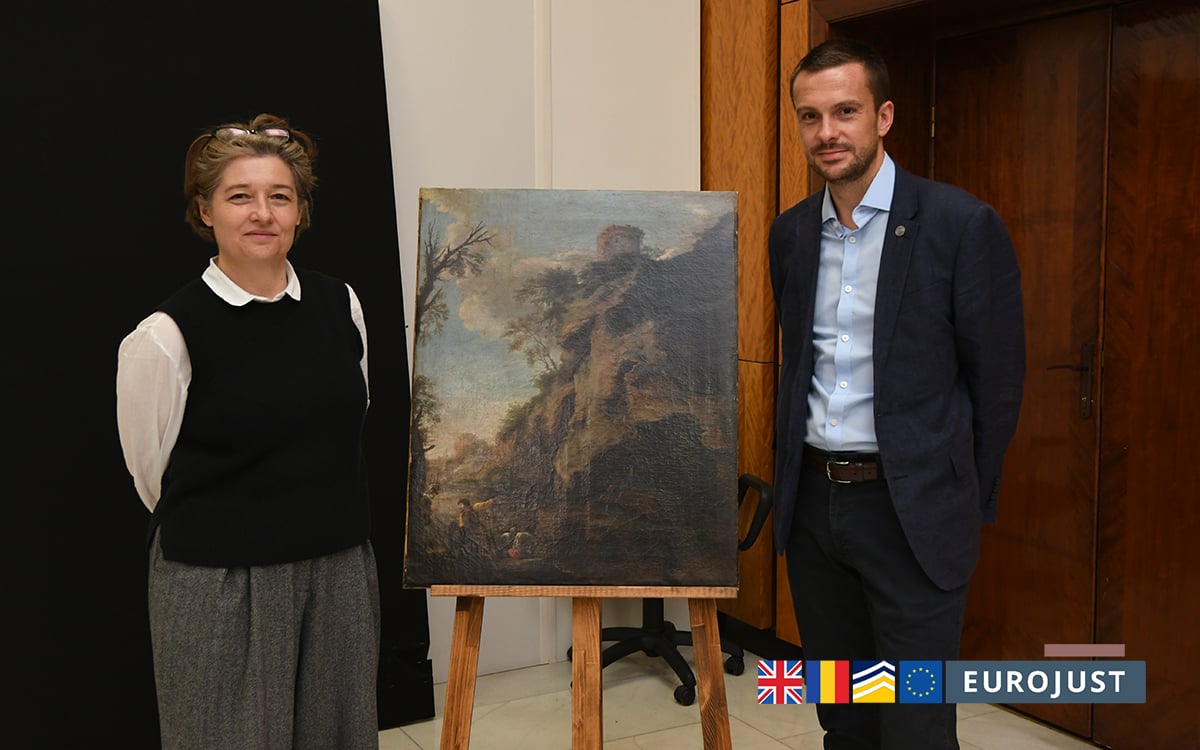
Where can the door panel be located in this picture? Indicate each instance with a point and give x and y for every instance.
(1020, 123)
(1149, 583)
(739, 122)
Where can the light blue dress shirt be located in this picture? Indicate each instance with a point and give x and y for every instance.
(841, 400)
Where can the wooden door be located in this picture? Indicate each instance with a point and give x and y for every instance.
(1098, 515)
(1149, 584)
(1019, 122)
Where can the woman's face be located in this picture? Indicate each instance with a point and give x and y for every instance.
(254, 212)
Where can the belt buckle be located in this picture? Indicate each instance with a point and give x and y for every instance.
(829, 472)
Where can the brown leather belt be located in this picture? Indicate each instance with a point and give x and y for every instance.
(844, 468)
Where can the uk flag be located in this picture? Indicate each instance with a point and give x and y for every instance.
(780, 682)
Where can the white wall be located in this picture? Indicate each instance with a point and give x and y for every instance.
(591, 94)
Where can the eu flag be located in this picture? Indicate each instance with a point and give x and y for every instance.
(919, 682)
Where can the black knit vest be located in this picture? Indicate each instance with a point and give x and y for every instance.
(268, 466)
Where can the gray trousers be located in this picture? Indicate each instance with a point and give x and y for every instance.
(272, 657)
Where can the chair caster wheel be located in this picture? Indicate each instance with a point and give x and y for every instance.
(734, 666)
(685, 695)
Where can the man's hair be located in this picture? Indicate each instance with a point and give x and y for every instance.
(837, 52)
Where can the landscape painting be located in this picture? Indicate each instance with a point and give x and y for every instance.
(574, 389)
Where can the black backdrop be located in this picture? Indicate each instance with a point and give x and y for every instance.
(102, 102)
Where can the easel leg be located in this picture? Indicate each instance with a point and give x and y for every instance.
(710, 675)
(460, 682)
(587, 729)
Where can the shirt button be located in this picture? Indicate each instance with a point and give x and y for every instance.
(833, 422)
(843, 384)
(845, 337)
(853, 240)
(848, 289)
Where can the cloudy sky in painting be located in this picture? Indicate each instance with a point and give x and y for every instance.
(477, 377)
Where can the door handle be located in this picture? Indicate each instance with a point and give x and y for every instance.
(1084, 368)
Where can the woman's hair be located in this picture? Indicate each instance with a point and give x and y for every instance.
(210, 154)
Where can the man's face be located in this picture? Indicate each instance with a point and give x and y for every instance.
(840, 128)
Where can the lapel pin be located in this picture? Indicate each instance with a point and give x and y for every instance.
(900, 231)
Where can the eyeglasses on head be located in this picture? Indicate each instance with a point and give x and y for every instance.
(227, 134)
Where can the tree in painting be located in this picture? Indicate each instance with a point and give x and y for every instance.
(438, 262)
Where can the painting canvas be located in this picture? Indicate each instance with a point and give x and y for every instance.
(574, 389)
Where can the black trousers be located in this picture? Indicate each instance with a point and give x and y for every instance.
(859, 593)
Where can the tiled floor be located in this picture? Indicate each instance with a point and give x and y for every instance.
(530, 709)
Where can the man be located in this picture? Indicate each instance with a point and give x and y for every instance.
(899, 304)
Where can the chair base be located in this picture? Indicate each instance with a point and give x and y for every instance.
(658, 637)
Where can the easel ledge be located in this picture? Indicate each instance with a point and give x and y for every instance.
(586, 592)
(586, 663)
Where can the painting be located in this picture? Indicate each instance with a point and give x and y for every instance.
(574, 392)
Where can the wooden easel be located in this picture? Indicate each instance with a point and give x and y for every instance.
(586, 715)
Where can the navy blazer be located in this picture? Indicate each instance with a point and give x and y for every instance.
(949, 359)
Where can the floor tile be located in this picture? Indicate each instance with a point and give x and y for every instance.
(1003, 730)
(742, 735)
(428, 734)
(806, 741)
(646, 705)
(501, 687)
(627, 743)
(531, 708)
(396, 739)
(541, 722)
(967, 710)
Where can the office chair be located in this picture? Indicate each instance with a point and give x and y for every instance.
(658, 636)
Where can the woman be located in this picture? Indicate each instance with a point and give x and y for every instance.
(240, 404)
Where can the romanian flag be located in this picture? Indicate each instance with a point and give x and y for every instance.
(827, 682)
